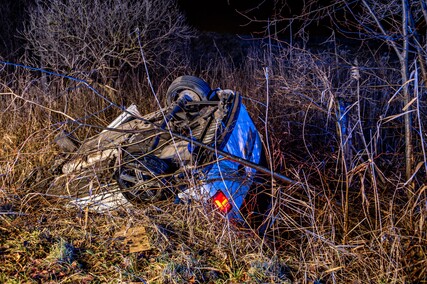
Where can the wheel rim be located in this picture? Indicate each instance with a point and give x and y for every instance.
(140, 179)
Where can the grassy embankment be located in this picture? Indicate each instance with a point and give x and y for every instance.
(356, 219)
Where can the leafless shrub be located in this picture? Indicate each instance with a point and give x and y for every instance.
(99, 39)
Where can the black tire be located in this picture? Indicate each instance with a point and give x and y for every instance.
(197, 89)
(139, 178)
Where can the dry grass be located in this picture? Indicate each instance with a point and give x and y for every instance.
(352, 221)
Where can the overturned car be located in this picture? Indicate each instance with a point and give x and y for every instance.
(202, 146)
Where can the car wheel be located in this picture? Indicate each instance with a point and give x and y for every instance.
(140, 178)
(193, 87)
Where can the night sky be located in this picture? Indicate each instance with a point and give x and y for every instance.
(224, 15)
(234, 16)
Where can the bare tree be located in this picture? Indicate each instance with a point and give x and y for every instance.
(397, 24)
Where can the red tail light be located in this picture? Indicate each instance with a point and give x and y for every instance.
(221, 202)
